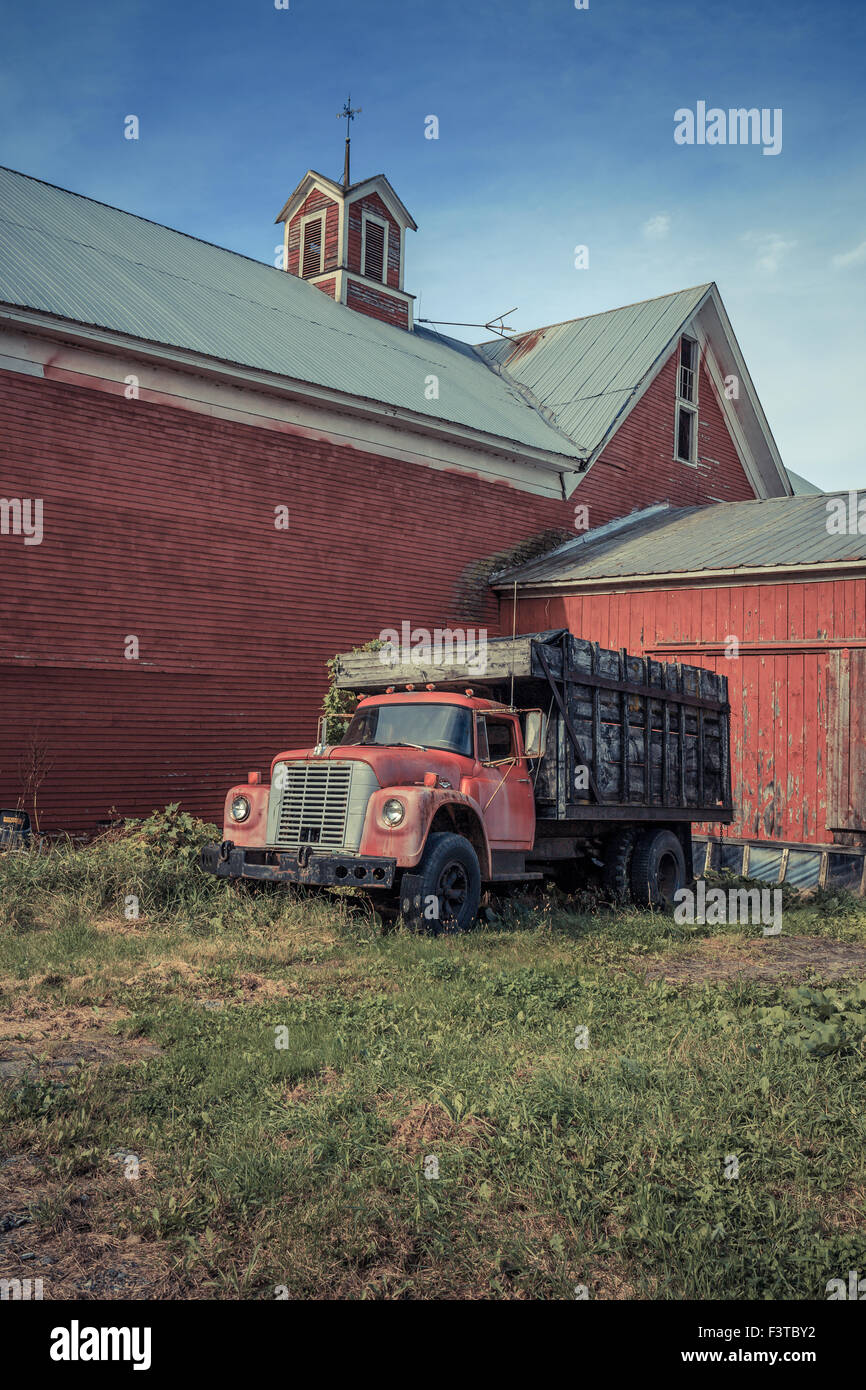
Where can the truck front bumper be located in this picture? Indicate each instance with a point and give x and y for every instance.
(305, 866)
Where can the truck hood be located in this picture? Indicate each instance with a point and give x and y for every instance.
(394, 767)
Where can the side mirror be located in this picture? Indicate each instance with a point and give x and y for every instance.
(326, 729)
(534, 733)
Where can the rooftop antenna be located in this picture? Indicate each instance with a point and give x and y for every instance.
(495, 324)
(348, 113)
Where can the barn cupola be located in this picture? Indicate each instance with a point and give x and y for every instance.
(348, 239)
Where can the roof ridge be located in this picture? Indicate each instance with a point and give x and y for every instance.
(139, 217)
(128, 260)
(617, 309)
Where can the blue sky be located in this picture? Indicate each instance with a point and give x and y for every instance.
(555, 130)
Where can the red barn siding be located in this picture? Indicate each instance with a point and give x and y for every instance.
(160, 523)
(789, 634)
(377, 304)
(638, 466)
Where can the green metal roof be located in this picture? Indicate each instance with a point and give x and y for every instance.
(780, 532)
(80, 260)
(560, 389)
(585, 372)
(801, 486)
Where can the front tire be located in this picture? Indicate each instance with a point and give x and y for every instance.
(444, 892)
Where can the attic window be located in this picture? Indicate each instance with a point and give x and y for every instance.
(375, 233)
(687, 384)
(686, 434)
(687, 395)
(311, 263)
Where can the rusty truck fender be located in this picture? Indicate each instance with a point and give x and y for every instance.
(405, 842)
(252, 832)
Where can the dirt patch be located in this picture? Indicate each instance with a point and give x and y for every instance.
(428, 1123)
(40, 1038)
(63, 1238)
(304, 1091)
(723, 959)
(199, 984)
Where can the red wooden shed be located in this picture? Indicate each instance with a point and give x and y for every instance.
(772, 594)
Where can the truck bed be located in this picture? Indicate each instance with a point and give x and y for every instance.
(653, 737)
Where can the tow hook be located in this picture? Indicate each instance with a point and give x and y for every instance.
(226, 848)
(303, 856)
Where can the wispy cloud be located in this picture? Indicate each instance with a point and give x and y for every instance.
(771, 249)
(657, 227)
(853, 257)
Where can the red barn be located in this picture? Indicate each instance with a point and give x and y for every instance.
(216, 473)
(771, 594)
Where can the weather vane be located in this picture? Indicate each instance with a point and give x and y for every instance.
(348, 114)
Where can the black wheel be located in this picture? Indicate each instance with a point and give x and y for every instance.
(444, 892)
(616, 874)
(658, 869)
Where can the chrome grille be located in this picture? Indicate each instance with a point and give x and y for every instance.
(313, 804)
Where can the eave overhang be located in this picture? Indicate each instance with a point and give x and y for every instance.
(93, 336)
(691, 579)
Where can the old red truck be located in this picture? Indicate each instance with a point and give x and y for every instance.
(558, 756)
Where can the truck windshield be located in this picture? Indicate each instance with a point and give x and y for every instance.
(448, 727)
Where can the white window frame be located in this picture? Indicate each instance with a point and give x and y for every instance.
(312, 217)
(683, 403)
(372, 217)
(693, 441)
(695, 371)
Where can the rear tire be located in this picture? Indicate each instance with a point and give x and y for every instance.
(616, 874)
(658, 869)
(443, 893)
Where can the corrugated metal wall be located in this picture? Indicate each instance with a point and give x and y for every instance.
(789, 773)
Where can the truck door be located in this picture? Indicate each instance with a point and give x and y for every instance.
(503, 787)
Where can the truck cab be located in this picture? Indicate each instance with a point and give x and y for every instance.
(427, 795)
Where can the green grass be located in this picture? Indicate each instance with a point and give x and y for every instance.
(302, 1166)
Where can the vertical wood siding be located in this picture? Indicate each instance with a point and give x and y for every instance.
(785, 763)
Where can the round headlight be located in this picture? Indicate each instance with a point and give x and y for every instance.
(240, 808)
(393, 812)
